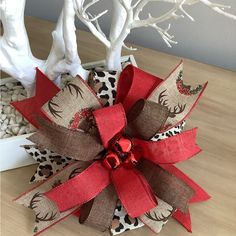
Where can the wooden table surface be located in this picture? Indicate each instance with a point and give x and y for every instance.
(214, 168)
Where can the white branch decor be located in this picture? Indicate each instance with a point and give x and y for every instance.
(16, 57)
(126, 16)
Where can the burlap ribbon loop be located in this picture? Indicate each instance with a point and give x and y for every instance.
(91, 213)
(72, 143)
(166, 186)
(86, 146)
(146, 112)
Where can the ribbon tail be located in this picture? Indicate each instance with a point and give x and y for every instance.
(200, 194)
(182, 98)
(98, 213)
(172, 150)
(158, 217)
(31, 107)
(133, 191)
(164, 184)
(46, 211)
(184, 219)
(77, 213)
(80, 189)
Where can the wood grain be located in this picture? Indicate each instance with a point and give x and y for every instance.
(214, 168)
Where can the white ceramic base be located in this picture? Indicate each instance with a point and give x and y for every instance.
(11, 154)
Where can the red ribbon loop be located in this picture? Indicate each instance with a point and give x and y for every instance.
(133, 190)
(172, 150)
(80, 189)
(110, 121)
(200, 194)
(133, 85)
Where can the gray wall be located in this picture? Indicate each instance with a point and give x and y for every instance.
(211, 39)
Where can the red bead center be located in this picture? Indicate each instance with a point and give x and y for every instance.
(121, 153)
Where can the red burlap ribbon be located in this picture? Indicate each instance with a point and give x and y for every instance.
(116, 160)
(31, 107)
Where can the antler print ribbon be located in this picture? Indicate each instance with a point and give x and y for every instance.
(120, 149)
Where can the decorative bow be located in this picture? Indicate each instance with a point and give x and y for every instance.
(114, 142)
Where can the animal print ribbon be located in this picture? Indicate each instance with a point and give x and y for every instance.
(116, 140)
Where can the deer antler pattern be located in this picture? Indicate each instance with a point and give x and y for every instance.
(53, 108)
(48, 217)
(78, 90)
(164, 102)
(35, 199)
(176, 110)
(162, 218)
(75, 172)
